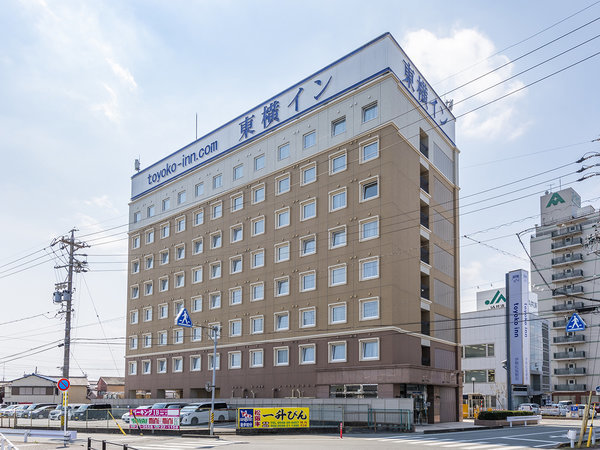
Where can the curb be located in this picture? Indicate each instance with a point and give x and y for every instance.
(454, 430)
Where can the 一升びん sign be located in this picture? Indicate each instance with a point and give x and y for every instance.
(273, 417)
(154, 419)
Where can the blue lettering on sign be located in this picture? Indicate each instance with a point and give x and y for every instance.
(186, 160)
(516, 319)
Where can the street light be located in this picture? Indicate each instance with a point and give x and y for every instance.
(473, 381)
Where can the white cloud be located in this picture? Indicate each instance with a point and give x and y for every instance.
(449, 62)
(123, 74)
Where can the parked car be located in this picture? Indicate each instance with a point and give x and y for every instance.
(200, 413)
(8, 411)
(25, 412)
(42, 412)
(56, 413)
(581, 411)
(127, 416)
(169, 405)
(92, 411)
(533, 407)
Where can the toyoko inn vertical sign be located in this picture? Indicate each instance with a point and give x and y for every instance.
(518, 326)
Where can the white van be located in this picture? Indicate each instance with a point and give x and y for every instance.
(197, 413)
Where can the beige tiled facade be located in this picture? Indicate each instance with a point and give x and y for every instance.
(332, 268)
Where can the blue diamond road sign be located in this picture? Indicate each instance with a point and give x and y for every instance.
(183, 319)
(575, 323)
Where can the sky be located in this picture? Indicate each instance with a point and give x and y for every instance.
(88, 87)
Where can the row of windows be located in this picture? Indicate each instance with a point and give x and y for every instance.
(308, 174)
(368, 269)
(478, 350)
(307, 318)
(307, 354)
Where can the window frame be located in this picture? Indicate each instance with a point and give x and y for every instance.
(301, 317)
(238, 172)
(303, 169)
(276, 351)
(217, 181)
(301, 360)
(363, 146)
(253, 255)
(362, 302)
(165, 230)
(195, 271)
(366, 182)
(199, 189)
(277, 316)
(276, 253)
(301, 277)
(276, 284)
(232, 292)
(361, 349)
(161, 365)
(335, 156)
(233, 260)
(193, 360)
(149, 236)
(361, 267)
(136, 241)
(233, 202)
(198, 217)
(278, 213)
(216, 210)
(306, 141)
(330, 313)
(252, 291)
(251, 362)
(165, 204)
(330, 352)
(214, 234)
(233, 323)
(259, 160)
(161, 254)
(179, 252)
(232, 230)
(334, 125)
(230, 356)
(369, 107)
(211, 274)
(280, 178)
(213, 295)
(362, 223)
(332, 231)
(180, 224)
(303, 239)
(256, 188)
(253, 223)
(178, 280)
(333, 194)
(253, 320)
(194, 299)
(174, 361)
(284, 146)
(312, 200)
(195, 242)
(181, 197)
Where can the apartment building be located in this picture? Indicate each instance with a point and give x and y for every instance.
(318, 231)
(564, 275)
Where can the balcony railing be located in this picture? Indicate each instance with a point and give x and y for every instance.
(567, 275)
(425, 219)
(425, 292)
(570, 371)
(570, 387)
(425, 254)
(425, 328)
(559, 323)
(424, 149)
(569, 339)
(567, 243)
(425, 183)
(566, 231)
(574, 258)
(566, 306)
(569, 355)
(567, 290)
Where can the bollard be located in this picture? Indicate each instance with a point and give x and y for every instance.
(89, 446)
(572, 435)
(341, 425)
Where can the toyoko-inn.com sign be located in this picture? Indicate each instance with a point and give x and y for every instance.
(373, 59)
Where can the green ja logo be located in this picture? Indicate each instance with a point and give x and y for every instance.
(554, 200)
(498, 298)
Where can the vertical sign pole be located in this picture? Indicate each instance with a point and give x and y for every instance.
(508, 358)
(212, 401)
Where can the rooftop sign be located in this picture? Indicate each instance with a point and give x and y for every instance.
(375, 58)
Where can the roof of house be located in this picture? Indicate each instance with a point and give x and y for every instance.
(113, 380)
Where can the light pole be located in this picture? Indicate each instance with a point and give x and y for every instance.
(215, 332)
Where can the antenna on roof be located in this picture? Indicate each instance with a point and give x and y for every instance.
(196, 126)
(136, 164)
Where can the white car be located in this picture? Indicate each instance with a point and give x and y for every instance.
(533, 407)
(127, 416)
(197, 413)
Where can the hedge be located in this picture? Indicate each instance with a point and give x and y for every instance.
(502, 414)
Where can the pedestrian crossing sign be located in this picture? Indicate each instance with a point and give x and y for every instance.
(575, 323)
(183, 319)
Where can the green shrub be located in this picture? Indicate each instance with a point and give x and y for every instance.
(502, 414)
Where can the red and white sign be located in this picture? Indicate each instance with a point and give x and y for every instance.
(63, 384)
(154, 419)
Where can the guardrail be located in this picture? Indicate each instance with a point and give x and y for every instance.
(524, 419)
(104, 445)
(5, 444)
(26, 434)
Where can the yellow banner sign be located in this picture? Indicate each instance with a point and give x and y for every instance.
(273, 417)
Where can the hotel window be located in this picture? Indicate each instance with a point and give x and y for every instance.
(307, 354)
(337, 275)
(146, 367)
(216, 210)
(238, 172)
(178, 336)
(309, 173)
(337, 237)
(338, 126)
(217, 363)
(282, 184)
(258, 258)
(164, 257)
(215, 300)
(235, 264)
(369, 151)
(197, 303)
(369, 349)
(282, 218)
(216, 240)
(369, 268)
(148, 314)
(165, 230)
(180, 252)
(369, 228)
(148, 288)
(282, 321)
(308, 317)
(235, 360)
(195, 363)
(369, 189)
(149, 262)
(166, 204)
(196, 334)
(337, 162)
(283, 152)
(197, 275)
(135, 241)
(337, 313)
(163, 311)
(256, 358)
(133, 342)
(259, 162)
(258, 193)
(258, 226)
(337, 199)
(180, 224)
(215, 270)
(258, 291)
(135, 266)
(151, 211)
(237, 233)
(137, 216)
(199, 189)
(237, 202)
(235, 296)
(281, 356)
(133, 317)
(162, 338)
(132, 368)
(197, 246)
(337, 352)
(149, 236)
(235, 327)
(369, 308)
(308, 281)
(309, 140)
(181, 197)
(147, 340)
(282, 252)
(282, 286)
(308, 245)
(217, 181)
(257, 325)
(198, 217)
(161, 365)
(369, 112)
(135, 291)
(308, 209)
(177, 364)
(177, 306)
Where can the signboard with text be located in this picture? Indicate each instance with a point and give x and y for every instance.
(154, 419)
(518, 320)
(268, 418)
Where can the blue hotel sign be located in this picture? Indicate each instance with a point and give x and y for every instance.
(373, 59)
